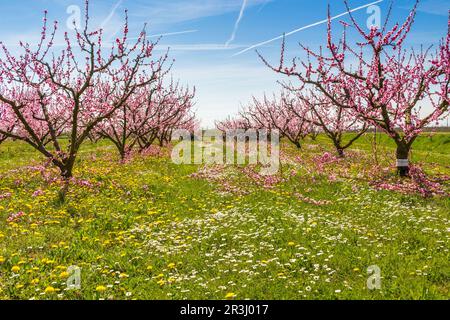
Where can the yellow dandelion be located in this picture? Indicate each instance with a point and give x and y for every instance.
(291, 244)
(230, 295)
(64, 275)
(35, 281)
(49, 290)
(100, 289)
(2, 259)
(161, 282)
(15, 269)
(171, 265)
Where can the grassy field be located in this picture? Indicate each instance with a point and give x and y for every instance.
(149, 229)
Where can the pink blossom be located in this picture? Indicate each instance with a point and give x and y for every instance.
(38, 193)
(14, 217)
(5, 196)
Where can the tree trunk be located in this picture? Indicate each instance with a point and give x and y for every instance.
(66, 174)
(403, 150)
(338, 145)
(67, 168)
(298, 144)
(122, 155)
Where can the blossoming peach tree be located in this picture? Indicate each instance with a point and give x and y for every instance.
(46, 94)
(289, 115)
(150, 113)
(379, 80)
(233, 123)
(175, 111)
(333, 121)
(284, 113)
(7, 128)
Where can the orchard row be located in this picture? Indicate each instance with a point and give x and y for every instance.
(125, 94)
(373, 81)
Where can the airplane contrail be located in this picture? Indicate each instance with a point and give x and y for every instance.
(236, 25)
(305, 27)
(111, 14)
(166, 34)
(171, 33)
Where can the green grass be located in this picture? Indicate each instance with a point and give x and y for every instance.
(148, 229)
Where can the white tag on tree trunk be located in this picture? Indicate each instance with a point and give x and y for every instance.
(402, 163)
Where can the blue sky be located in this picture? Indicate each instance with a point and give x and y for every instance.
(223, 80)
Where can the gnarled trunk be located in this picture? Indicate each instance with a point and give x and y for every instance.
(66, 168)
(66, 174)
(122, 154)
(338, 145)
